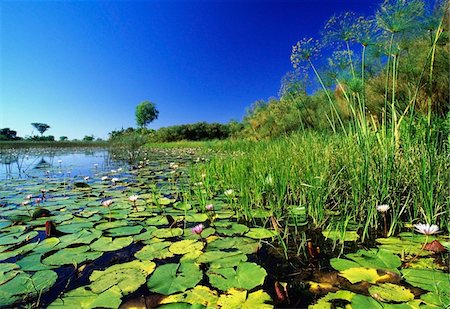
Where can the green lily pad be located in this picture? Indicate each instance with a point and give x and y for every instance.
(361, 301)
(358, 274)
(245, 276)
(326, 301)
(380, 259)
(388, 292)
(155, 250)
(84, 298)
(110, 225)
(260, 233)
(128, 277)
(24, 285)
(74, 227)
(75, 255)
(21, 250)
(108, 244)
(17, 238)
(231, 228)
(147, 235)
(46, 245)
(167, 232)
(81, 237)
(441, 300)
(341, 236)
(171, 278)
(157, 221)
(430, 280)
(186, 246)
(196, 217)
(33, 262)
(218, 259)
(238, 299)
(198, 295)
(124, 231)
(245, 245)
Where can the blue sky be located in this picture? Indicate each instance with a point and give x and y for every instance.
(83, 66)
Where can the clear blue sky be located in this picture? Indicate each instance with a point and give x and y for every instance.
(83, 66)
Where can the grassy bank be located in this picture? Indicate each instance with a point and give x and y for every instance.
(338, 179)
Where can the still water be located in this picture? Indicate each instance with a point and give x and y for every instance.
(61, 162)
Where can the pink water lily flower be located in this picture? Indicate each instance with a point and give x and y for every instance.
(209, 207)
(426, 228)
(197, 229)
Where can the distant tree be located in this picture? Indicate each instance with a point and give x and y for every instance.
(146, 112)
(41, 127)
(8, 135)
(88, 138)
(63, 138)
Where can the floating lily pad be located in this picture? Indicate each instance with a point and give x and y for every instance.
(245, 276)
(185, 246)
(108, 244)
(75, 255)
(430, 280)
(128, 277)
(231, 228)
(358, 274)
(380, 259)
(237, 299)
(341, 236)
(17, 238)
(110, 225)
(245, 245)
(171, 278)
(326, 301)
(148, 234)
(260, 233)
(74, 227)
(388, 292)
(218, 259)
(33, 262)
(84, 298)
(167, 232)
(21, 250)
(24, 285)
(198, 295)
(156, 250)
(125, 231)
(157, 221)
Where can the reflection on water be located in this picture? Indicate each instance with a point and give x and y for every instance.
(62, 162)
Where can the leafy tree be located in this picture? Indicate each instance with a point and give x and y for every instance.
(146, 112)
(88, 138)
(8, 135)
(41, 127)
(63, 138)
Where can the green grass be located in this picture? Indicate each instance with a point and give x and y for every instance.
(338, 179)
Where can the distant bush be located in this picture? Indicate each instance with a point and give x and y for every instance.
(200, 131)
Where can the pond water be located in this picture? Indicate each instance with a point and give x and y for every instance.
(63, 162)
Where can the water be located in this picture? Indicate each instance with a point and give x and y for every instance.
(55, 163)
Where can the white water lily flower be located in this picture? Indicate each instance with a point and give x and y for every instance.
(383, 208)
(426, 228)
(133, 198)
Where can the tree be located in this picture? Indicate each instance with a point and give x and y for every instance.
(146, 112)
(41, 127)
(63, 138)
(88, 138)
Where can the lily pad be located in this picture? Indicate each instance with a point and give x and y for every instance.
(198, 295)
(83, 297)
(171, 278)
(358, 274)
(167, 232)
(186, 246)
(231, 228)
(108, 244)
(125, 231)
(218, 259)
(67, 256)
(156, 250)
(245, 276)
(237, 299)
(430, 280)
(260, 233)
(388, 292)
(243, 244)
(128, 277)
